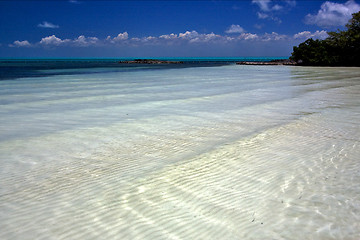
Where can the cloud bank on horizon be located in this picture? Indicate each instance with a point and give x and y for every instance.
(191, 37)
(329, 15)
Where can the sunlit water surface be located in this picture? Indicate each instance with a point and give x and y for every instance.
(230, 152)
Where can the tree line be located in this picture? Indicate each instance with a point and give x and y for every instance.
(341, 48)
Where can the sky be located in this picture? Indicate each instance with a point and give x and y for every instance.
(201, 28)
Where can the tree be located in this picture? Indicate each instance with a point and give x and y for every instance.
(341, 48)
(312, 52)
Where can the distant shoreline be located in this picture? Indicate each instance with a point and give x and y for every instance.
(251, 62)
(50, 63)
(150, 61)
(271, 62)
(117, 59)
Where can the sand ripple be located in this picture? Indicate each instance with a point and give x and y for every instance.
(286, 168)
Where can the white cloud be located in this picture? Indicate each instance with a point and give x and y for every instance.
(273, 37)
(235, 29)
(189, 35)
(264, 5)
(53, 41)
(333, 14)
(195, 37)
(269, 8)
(276, 7)
(121, 36)
(268, 16)
(83, 41)
(46, 24)
(307, 34)
(303, 35)
(20, 44)
(149, 39)
(262, 15)
(209, 37)
(135, 39)
(248, 36)
(169, 36)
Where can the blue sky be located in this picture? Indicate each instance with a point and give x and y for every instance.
(213, 28)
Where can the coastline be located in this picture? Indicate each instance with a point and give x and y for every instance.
(41, 67)
(254, 62)
(150, 61)
(271, 62)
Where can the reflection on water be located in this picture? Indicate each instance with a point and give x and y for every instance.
(232, 152)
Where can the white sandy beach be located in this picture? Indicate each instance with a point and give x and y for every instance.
(231, 152)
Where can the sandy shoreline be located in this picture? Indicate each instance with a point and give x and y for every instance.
(271, 62)
(231, 152)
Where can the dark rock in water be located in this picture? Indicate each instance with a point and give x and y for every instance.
(150, 61)
(272, 62)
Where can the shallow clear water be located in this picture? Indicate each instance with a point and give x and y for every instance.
(229, 152)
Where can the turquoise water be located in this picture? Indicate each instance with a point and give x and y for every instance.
(159, 58)
(38, 67)
(212, 152)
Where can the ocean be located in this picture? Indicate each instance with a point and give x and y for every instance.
(92, 149)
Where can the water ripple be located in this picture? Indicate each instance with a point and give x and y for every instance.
(195, 167)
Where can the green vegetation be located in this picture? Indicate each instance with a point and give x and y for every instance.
(341, 48)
